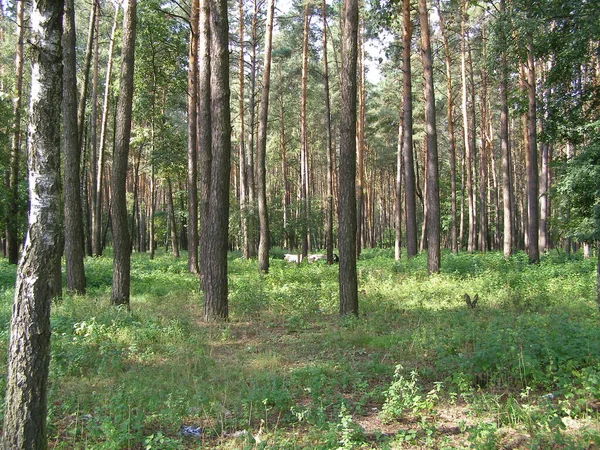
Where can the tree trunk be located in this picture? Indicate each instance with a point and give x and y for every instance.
(243, 169)
(328, 144)
(97, 225)
(347, 175)
(172, 221)
(261, 182)
(93, 159)
(74, 252)
(398, 190)
(12, 218)
(26, 409)
(483, 160)
(432, 180)
(360, 149)
(533, 250)
(505, 150)
(451, 136)
(407, 145)
(204, 134)
(120, 229)
(304, 137)
(466, 130)
(215, 282)
(192, 154)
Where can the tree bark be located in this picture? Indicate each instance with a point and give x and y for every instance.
(172, 221)
(29, 349)
(410, 202)
(204, 134)
(74, 252)
(97, 214)
(192, 155)
(304, 137)
(432, 180)
(120, 228)
(533, 250)
(215, 282)
(398, 189)
(466, 129)
(347, 175)
(261, 182)
(507, 223)
(243, 169)
(328, 144)
(451, 135)
(12, 218)
(93, 159)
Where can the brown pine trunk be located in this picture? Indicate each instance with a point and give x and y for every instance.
(483, 162)
(74, 252)
(192, 150)
(204, 133)
(304, 138)
(261, 182)
(432, 180)
(25, 410)
(360, 150)
(215, 274)
(243, 182)
(347, 171)
(118, 204)
(398, 190)
(328, 144)
(506, 158)
(93, 160)
(451, 136)
(172, 221)
(407, 145)
(467, 131)
(532, 160)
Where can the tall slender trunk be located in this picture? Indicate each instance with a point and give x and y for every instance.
(483, 160)
(93, 159)
(407, 145)
(304, 137)
(261, 182)
(97, 188)
(328, 144)
(360, 148)
(12, 218)
(204, 133)
(172, 221)
(74, 251)
(466, 129)
(451, 135)
(532, 159)
(25, 411)
(432, 179)
(118, 204)
(192, 150)
(242, 138)
(505, 150)
(398, 189)
(347, 175)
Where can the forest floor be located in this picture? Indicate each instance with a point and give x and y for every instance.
(418, 369)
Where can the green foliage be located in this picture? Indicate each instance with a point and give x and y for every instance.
(286, 372)
(578, 192)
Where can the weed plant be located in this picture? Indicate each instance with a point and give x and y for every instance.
(417, 369)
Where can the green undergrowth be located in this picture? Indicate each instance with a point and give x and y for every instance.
(417, 369)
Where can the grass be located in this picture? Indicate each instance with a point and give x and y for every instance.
(418, 369)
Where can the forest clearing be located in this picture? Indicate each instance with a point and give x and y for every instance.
(520, 370)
